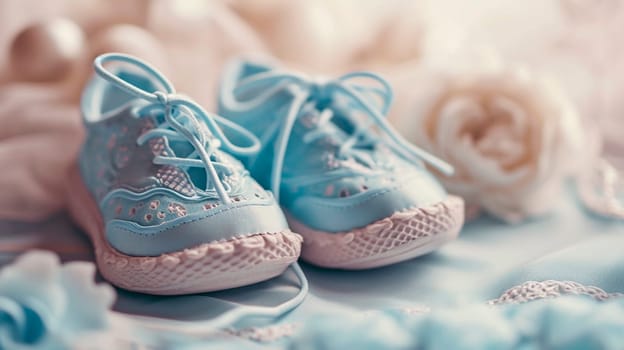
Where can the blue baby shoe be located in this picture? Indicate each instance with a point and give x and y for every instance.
(167, 206)
(351, 185)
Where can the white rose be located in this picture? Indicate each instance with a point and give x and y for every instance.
(509, 134)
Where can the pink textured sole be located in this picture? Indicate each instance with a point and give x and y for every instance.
(402, 236)
(208, 267)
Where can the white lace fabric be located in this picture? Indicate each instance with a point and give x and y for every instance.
(602, 190)
(533, 290)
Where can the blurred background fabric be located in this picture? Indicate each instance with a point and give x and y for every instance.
(46, 50)
(576, 42)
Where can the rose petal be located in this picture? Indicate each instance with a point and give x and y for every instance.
(505, 131)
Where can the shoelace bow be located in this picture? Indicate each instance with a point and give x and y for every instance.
(305, 89)
(185, 120)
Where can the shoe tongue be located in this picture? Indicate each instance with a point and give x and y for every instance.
(343, 122)
(183, 149)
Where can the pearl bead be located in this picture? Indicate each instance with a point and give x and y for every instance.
(46, 51)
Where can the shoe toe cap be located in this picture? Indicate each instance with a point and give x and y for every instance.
(221, 223)
(380, 200)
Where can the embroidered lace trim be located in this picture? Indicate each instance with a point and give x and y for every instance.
(602, 190)
(533, 290)
(266, 334)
